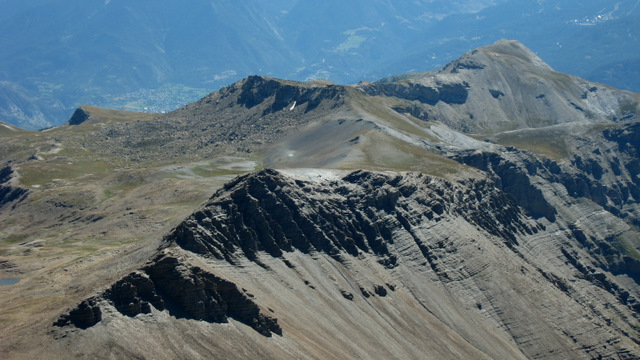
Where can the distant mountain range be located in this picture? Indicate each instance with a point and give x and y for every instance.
(157, 56)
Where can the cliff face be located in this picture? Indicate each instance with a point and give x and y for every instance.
(460, 256)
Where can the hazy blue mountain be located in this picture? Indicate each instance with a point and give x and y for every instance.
(343, 41)
(592, 39)
(95, 51)
(159, 55)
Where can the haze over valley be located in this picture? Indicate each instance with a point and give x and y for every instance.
(59, 55)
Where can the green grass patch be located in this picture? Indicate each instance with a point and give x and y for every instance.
(380, 108)
(625, 245)
(44, 172)
(13, 239)
(108, 194)
(561, 80)
(353, 42)
(538, 142)
(384, 152)
(123, 182)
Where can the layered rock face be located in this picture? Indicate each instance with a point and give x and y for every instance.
(265, 212)
(184, 291)
(9, 192)
(477, 275)
(601, 174)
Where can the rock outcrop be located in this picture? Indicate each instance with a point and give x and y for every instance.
(449, 93)
(183, 290)
(9, 192)
(79, 116)
(85, 315)
(256, 90)
(266, 212)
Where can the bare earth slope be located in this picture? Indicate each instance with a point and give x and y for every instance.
(489, 209)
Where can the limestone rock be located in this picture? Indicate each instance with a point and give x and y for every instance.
(183, 290)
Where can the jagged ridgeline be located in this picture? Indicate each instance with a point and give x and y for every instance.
(409, 241)
(486, 210)
(262, 213)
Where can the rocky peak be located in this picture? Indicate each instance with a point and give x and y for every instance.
(463, 246)
(504, 86)
(256, 90)
(79, 116)
(504, 50)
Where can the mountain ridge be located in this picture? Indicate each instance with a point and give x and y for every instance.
(507, 67)
(245, 221)
(448, 96)
(348, 221)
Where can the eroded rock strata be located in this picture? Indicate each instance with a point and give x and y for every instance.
(182, 290)
(482, 267)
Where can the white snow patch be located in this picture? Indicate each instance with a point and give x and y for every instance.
(293, 106)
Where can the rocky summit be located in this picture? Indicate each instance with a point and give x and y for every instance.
(486, 210)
